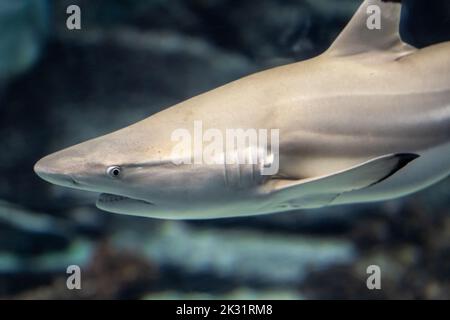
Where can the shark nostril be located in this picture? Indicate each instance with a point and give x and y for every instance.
(74, 181)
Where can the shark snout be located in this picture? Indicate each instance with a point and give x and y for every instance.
(53, 169)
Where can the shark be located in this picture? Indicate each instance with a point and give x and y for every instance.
(367, 120)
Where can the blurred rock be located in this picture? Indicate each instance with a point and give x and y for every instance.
(111, 274)
(23, 28)
(28, 233)
(50, 262)
(411, 251)
(250, 257)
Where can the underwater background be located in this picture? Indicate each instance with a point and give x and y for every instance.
(133, 58)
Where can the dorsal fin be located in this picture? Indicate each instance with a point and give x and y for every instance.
(359, 37)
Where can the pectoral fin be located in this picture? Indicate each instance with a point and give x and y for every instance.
(327, 188)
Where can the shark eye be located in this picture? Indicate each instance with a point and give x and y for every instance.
(113, 171)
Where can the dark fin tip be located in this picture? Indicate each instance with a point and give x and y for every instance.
(403, 160)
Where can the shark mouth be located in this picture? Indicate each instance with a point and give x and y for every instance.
(107, 198)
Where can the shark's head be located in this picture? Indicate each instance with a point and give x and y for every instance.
(133, 178)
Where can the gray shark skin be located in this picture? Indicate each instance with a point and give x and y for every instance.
(367, 120)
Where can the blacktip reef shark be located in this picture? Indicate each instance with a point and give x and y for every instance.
(367, 120)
